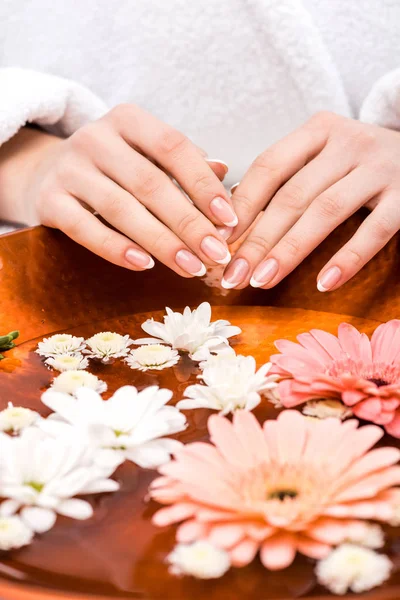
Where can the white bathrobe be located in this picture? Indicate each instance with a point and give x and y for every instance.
(234, 75)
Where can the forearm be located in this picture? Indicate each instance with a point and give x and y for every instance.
(20, 158)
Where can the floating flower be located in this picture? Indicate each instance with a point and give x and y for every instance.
(108, 345)
(70, 381)
(201, 560)
(14, 533)
(190, 332)
(131, 424)
(363, 373)
(39, 475)
(16, 418)
(67, 362)
(60, 343)
(324, 409)
(288, 486)
(152, 356)
(231, 382)
(353, 568)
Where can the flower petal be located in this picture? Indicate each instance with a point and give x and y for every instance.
(38, 519)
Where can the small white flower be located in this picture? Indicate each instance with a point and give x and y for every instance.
(131, 424)
(200, 559)
(14, 533)
(107, 345)
(366, 534)
(69, 381)
(354, 568)
(39, 475)
(60, 343)
(190, 331)
(67, 362)
(231, 382)
(152, 356)
(325, 409)
(16, 418)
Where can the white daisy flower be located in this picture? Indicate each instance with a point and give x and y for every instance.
(152, 356)
(67, 362)
(39, 476)
(200, 559)
(69, 381)
(324, 409)
(354, 568)
(17, 418)
(190, 332)
(60, 343)
(14, 533)
(131, 424)
(231, 382)
(107, 345)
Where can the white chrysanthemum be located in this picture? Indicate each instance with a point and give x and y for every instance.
(60, 343)
(325, 409)
(132, 424)
(67, 362)
(39, 475)
(366, 534)
(231, 382)
(107, 345)
(16, 418)
(190, 331)
(70, 381)
(354, 568)
(14, 533)
(200, 559)
(152, 356)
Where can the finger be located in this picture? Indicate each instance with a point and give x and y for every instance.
(327, 211)
(374, 233)
(219, 167)
(85, 229)
(180, 157)
(155, 190)
(272, 169)
(128, 215)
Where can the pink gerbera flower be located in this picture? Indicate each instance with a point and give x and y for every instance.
(363, 373)
(291, 485)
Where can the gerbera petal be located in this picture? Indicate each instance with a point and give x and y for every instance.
(291, 437)
(393, 428)
(303, 357)
(376, 460)
(223, 435)
(243, 553)
(278, 552)
(250, 435)
(312, 548)
(368, 409)
(385, 342)
(327, 341)
(349, 338)
(226, 535)
(370, 486)
(190, 531)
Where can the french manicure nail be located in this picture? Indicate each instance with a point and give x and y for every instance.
(215, 250)
(138, 258)
(233, 188)
(329, 279)
(235, 273)
(219, 162)
(224, 212)
(226, 232)
(264, 272)
(190, 263)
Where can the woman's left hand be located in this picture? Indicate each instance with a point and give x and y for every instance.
(308, 183)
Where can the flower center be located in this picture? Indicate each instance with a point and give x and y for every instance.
(380, 374)
(38, 487)
(378, 382)
(282, 494)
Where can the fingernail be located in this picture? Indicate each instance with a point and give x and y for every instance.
(190, 263)
(219, 162)
(138, 258)
(235, 273)
(224, 212)
(226, 232)
(233, 188)
(264, 272)
(329, 279)
(215, 250)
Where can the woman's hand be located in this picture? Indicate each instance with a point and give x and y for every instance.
(121, 167)
(308, 183)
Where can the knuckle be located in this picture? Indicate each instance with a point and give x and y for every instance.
(187, 225)
(107, 244)
(73, 225)
(383, 228)
(355, 257)
(291, 197)
(203, 183)
(84, 138)
(291, 246)
(120, 112)
(258, 244)
(245, 203)
(112, 205)
(384, 166)
(323, 118)
(330, 205)
(170, 141)
(267, 163)
(161, 245)
(148, 184)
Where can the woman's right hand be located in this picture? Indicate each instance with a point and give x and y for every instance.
(122, 167)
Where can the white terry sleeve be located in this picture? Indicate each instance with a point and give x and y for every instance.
(382, 105)
(58, 105)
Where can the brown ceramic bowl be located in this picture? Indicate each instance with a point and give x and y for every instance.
(49, 284)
